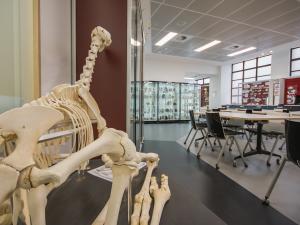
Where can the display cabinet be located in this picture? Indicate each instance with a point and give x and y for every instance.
(189, 100)
(150, 101)
(168, 101)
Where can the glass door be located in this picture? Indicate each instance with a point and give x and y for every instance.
(168, 101)
(150, 101)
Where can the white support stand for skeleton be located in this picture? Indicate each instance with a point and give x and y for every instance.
(39, 170)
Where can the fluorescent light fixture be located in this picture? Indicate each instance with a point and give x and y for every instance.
(241, 51)
(189, 78)
(209, 45)
(135, 43)
(166, 38)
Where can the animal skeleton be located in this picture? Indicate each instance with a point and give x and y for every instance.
(37, 170)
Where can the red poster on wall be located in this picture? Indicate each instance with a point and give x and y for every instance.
(291, 90)
(255, 93)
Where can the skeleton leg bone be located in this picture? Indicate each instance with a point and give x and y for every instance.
(37, 201)
(161, 196)
(142, 200)
(6, 213)
(100, 220)
(121, 178)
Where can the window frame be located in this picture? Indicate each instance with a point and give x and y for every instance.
(203, 83)
(293, 60)
(256, 67)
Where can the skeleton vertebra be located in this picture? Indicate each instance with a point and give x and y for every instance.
(39, 171)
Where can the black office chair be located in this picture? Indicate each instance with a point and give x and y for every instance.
(215, 129)
(292, 129)
(200, 126)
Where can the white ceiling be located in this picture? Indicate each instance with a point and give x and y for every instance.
(260, 23)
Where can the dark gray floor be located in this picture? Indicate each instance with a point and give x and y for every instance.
(200, 195)
(165, 131)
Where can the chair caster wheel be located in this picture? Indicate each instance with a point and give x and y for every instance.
(266, 202)
(223, 154)
(198, 156)
(246, 165)
(230, 149)
(205, 144)
(268, 164)
(217, 167)
(215, 143)
(234, 164)
(278, 161)
(184, 143)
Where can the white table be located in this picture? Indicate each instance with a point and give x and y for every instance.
(259, 118)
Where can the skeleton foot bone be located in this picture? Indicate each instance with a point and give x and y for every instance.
(142, 200)
(161, 196)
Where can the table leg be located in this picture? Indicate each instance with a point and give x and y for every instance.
(258, 145)
(259, 137)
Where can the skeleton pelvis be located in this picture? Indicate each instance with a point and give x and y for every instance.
(28, 123)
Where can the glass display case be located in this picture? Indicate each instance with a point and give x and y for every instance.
(197, 98)
(150, 101)
(168, 101)
(187, 100)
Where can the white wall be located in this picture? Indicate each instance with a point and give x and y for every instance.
(173, 69)
(280, 67)
(56, 43)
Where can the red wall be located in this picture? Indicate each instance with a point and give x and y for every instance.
(295, 83)
(109, 79)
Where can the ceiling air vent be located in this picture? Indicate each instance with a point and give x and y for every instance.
(233, 47)
(182, 38)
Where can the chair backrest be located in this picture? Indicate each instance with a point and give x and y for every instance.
(214, 124)
(192, 117)
(292, 129)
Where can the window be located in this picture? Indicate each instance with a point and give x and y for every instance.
(295, 62)
(203, 81)
(257, 69)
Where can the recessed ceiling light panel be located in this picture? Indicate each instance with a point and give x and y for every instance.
(166, 38)
(209, 45)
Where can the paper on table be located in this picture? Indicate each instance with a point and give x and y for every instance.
(106, 173)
